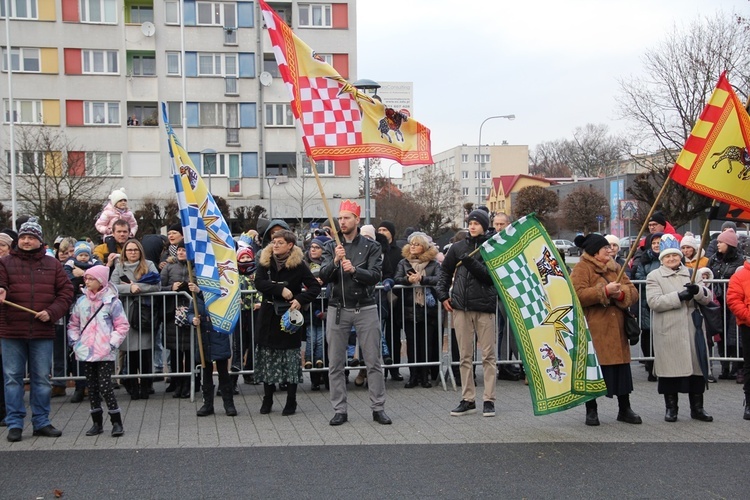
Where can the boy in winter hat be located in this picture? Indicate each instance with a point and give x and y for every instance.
(83, 259)
(116, 208)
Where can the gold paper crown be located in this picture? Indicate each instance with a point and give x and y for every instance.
(350, 206)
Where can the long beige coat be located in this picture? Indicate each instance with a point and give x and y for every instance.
(672, 326)
(603, 314)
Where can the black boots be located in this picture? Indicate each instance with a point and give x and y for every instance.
(696, 408)
(228, 398)
(265, 408)
(592, 416)
(208, 401)
(418, 376)
(670, 401)
(413, 380)
(626, 413)
(746, 416)
(116, 418)
(78, 395)
(290, 408)
(96, 429)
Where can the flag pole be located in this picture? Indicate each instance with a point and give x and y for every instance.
(18, 306)
(195, 311)
(704, 244)
(325, 201)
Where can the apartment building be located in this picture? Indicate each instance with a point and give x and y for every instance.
(98, 70)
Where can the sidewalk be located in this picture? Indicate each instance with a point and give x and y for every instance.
(420, 416)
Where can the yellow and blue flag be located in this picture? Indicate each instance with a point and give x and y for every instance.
(208, 240)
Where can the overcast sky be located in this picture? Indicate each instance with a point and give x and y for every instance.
(554, 64)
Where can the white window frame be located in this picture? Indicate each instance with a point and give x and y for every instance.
(20, 155)
(218, 114)
(22, 54)
(174, 113)
(32, 9)
(465, 191)
(18, 113)
(109, 118)
(140, 58)
(109, 159)
(176, 55)
(89, 60)
(464, 174)
(326, 168)
(218, 13)
(219, 63)
(221, 165)
(85, 10)
(171, 12)
(464, 158)
(309, 11)
(485, 158)
(140, 9)
(274, 108)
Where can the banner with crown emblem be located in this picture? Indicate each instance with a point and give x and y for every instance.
(545, 316)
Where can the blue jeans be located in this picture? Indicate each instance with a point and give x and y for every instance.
(38, 354)
(314, 343)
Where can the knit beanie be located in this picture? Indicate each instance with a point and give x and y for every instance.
(689, 241)
(32, 228)
(368, 230)
(481, 217)
(668, 246)
(612, 239)
(391, 227)
(729, 237)
(729, 225)
(320, 241)
(245, 252)
(4, 238)
(81, 247)
(175, 227)
(99, 273)
(659, 218)
(117, 196)
(591, 243)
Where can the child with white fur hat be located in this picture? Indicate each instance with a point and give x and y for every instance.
(116, 208)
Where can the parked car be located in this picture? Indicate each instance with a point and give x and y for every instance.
(567, 247)
(625, 244)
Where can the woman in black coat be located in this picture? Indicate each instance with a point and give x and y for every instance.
(281, 277)
(419, 269)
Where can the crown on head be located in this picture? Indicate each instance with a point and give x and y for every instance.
(668, 242)
(350, 206)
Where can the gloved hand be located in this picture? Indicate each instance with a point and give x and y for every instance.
(692, 288)
(685, 295)
(388, 284)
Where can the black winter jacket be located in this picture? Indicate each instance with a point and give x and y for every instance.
(357, 289)
(473, 289)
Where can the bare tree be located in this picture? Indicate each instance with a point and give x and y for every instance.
(438, 195)
(582, 207)
(545, 160)
(536, 199)
(663, 106)
(247, 218)
(304, 191)
(156, 213)
(54, 183)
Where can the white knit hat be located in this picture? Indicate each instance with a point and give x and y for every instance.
(118, 195)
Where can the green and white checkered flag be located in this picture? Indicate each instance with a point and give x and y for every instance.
(524, 286)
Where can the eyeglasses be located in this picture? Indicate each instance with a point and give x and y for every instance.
(316, 247)
(132, 250)
(89, 278)
(280, 243)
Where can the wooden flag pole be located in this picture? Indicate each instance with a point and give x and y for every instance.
(325, 202)
(17, 306)
(195, 311)
(704, 244)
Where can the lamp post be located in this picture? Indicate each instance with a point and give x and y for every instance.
(277, 179)
(479, 148)
(209, 151)
(365, 85)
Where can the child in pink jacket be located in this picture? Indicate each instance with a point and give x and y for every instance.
(117, 208)
(98, 325)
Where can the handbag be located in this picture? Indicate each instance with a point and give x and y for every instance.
(280, 306)
(139, 315)
(632, 328)
(713, 318)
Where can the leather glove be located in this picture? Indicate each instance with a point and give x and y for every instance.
(692, 288)
(685, 295)
(388, 284)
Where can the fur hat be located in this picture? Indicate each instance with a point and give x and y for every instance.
(117, 196)
(659, 218)
(481, 217)
(368, 230)
(668, 246)
(99, 273)
(32, 228)
(390, 226)
(591, 243)
(729, 237)
(704, 270)
(81, 247)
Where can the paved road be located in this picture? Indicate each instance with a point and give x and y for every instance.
(167, 452)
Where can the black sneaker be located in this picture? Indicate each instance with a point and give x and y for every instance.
(464, 408)
(489, 409)
(47, 431)
(14, 435)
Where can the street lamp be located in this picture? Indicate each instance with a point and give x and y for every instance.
(278, 179)
(479, 148)
(209, 151)
(365, 84)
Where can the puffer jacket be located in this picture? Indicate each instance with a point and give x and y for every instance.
(352, 290)
(177, 337)
(111, 213)
(738, 295)
(429, 280)
(36, 281)
(104, 333)
(473, 289)
(216, 346)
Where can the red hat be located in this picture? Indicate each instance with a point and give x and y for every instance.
(350, 206)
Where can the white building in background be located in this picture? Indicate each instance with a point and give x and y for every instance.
(98, 70)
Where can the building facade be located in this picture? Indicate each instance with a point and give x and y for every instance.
(98, 71)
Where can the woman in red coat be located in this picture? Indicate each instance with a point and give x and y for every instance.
(738, 301)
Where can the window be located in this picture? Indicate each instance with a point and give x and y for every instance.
(101, 113)
(220, 163)
(174, 113)
(217, 14)
(99, 11)
(327, 58)
(28, 112)
(27, 162)
(173, 63)
(217, 64)
(139, 14)
(315, 15)
(279, 115)
(465, 191)
(172, 12)
(485, 174)
(143, 114)
(210, 114)
(270, 66)
(485, 158)
(464, 174)
(324, 167)
(100, 61)
(101, 164)
(22, 60)
(143, 65)
(20, 9)
(485, 192)
(464, 158)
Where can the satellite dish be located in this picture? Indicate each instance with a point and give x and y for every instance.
(148, 28)
(266, 79)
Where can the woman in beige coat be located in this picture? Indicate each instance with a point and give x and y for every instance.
(603, 299)
(672, 299)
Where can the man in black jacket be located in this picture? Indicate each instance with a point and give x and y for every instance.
(351, 270)
(473, 302)
(392, 299)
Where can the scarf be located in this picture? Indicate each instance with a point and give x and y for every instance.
(280, 260)
(419, 267)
